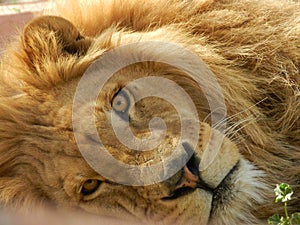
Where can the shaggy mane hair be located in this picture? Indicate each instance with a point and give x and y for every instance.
(253, 48)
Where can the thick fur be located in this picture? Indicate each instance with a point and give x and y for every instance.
(253, 48)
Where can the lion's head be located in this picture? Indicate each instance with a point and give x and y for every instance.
(197, 104)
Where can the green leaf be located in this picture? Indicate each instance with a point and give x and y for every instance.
(274, 220)
(296, 218)
(285, 221)
(283, 192)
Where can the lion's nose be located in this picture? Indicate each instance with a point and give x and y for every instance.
(190, 174)
(190, 178)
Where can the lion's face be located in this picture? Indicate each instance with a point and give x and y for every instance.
(159, 174)
(214, 194)
(218, 191)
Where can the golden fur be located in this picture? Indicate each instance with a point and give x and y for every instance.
(252, 47)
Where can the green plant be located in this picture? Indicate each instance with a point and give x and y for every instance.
(284, 194)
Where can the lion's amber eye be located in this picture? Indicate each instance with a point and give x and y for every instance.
(90, 186)
(121, 102)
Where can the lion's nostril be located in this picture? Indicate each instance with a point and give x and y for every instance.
(193, 163)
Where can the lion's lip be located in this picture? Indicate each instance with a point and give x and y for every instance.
(225, 183)
(223, 192)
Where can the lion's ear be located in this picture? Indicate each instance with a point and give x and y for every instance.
(50, 37)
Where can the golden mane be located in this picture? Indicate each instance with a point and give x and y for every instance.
(252, 47)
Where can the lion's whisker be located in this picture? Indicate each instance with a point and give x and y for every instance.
(232, 131)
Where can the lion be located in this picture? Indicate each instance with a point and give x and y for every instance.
(226, 175)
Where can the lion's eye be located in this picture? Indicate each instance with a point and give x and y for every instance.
(90, 186)
(121, 102)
